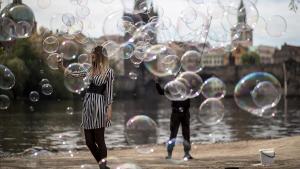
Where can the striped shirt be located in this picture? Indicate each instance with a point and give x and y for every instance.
(94, 114)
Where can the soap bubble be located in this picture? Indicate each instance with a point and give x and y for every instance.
(47, 89)
(69, 110)
(4, 102)
(126, 50)
(257, 92)
(50, 44)
(8, 29)
(84, 58)
(276, 26)
(133, 75)
(110, 49)
(211, 111)
(128, 166)
(68, 19)
(169, 64)
(68, 49)
(74, 75)
(24, 29)
(52, 60)
(193, 83)
(44, 81)
(141, 130)
(146, 34)
(192, 61)
(156, 51)
(139, 50)
(135, 60)
(176, 90)
(188, 15)
(160, 60)
(7, 78)
(87, 66)
(265, 94)
(82, 12)
(213, 88)
(43, 4)
(34, 96)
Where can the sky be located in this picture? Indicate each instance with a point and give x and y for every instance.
(94, 23)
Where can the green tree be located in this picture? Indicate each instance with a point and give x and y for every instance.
(27, 61)
(250, 58)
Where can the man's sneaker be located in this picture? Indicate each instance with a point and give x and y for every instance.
(187, 157)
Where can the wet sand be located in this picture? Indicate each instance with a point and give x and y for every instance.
(242, 154)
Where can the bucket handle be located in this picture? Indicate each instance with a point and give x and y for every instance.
(268, 155)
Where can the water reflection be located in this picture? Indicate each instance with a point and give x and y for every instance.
(49, 128)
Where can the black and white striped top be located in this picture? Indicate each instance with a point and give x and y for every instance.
(95, 105)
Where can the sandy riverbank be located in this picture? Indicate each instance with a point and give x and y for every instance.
(243, 154)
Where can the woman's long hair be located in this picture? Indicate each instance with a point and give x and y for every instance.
(100, 65)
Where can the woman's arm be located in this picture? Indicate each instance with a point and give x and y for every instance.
(109, 93)
(109, 112)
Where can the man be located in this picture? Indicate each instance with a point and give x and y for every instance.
(180, 115)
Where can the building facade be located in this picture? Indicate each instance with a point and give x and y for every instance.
(214, 57)
(266, 54)
(287, 52)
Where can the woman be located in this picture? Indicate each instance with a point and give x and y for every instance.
(97, 105)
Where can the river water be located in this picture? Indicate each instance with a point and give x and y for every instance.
(25, 127)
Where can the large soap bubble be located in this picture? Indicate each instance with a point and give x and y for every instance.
(276, 26)
(169, 64)
(50, 44)
(74, 75)
(110, 49)
(126, 50)
(211, 111)
(84, 58)
(8, 29)
(192, 61)
(146, 33)
(193, 82)
(22, 14)
(24, 29)
(176, 90)
(257, 92)
(141, 130)
(213, 88)
(7, 78)
(4, 102)
(52, 60)
(265, 94)
(161, 61)
(68, 49)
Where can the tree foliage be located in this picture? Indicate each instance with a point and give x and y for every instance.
(26, 60)
(293, 5)
(250, 58)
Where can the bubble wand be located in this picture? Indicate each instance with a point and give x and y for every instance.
(206, 31)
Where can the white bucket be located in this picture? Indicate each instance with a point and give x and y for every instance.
(267, 156)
